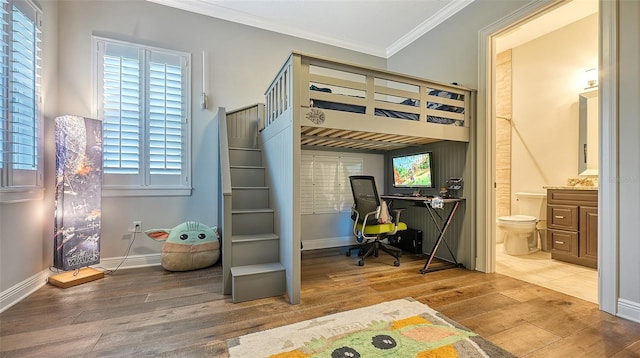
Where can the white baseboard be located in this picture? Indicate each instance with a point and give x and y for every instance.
(19, 291)
(328, 242)
(130, 262)
(629, 310)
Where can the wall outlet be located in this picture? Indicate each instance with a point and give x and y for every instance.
(137, 226)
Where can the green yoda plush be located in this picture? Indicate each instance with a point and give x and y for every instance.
(188, 246)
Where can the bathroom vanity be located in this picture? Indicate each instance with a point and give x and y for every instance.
(572, 224)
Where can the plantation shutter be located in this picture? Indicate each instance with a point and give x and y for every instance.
(166, 102)
(144, 94)
(348, 166)
(324, 183)
(306, 184)
(121, 108)
(4, 79)
(20, 67)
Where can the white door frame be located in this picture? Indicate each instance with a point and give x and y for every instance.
(485, 137)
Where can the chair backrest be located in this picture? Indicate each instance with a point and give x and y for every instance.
(365, 196)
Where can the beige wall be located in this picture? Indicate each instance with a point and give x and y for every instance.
(547, 75)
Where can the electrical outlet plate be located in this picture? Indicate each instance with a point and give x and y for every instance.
(137, 226)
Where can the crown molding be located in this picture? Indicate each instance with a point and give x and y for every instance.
(206, 8)
(427, 25)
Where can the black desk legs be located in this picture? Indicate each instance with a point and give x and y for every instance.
(436, 245)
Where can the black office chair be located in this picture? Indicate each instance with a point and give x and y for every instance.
(368, 231)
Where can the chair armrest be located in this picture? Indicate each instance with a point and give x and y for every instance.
(396, 221)
(364, 222)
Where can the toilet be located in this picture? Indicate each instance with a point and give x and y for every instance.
(521, 231)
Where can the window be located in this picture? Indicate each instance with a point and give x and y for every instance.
(325, 186)
(143, 102)
(21, 122)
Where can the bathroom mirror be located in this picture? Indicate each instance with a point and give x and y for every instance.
(588, 134)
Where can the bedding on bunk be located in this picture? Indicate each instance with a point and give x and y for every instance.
(315, 103)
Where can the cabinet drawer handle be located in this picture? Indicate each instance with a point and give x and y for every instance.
(559, 217)
(559, 242)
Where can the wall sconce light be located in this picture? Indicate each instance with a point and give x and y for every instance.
(591, 78)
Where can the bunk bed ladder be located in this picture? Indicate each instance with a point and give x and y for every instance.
(255, 270)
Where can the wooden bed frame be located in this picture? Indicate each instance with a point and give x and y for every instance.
(370, 89)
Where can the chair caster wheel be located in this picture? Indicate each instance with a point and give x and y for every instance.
(396, 263)
(361, 263)
(349, 253)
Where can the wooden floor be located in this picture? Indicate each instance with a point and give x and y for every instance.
(148, 312)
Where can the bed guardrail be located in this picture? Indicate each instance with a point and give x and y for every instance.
(332, 85)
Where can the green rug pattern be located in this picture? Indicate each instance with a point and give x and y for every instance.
(400, 328)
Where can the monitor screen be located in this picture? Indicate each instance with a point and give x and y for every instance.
(412, 171)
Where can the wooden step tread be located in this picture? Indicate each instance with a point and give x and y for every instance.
(254, 237)
(256, 269)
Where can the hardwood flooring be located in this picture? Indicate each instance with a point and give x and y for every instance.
(150, 312)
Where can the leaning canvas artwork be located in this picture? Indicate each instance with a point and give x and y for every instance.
(78, 192)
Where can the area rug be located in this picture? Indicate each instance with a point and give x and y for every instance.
(400, 328)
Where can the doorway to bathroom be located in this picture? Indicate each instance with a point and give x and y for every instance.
(538, 74)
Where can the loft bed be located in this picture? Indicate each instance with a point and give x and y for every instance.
(319, 103)
(351, 107)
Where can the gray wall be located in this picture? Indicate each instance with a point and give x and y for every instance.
(242, 62)
(629, 160)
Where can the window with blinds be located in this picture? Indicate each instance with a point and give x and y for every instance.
(324, 183)
(20, 68)
(143, 98)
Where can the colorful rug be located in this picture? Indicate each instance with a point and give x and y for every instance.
(400, 328)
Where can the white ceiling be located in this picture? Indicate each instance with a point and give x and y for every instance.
(376, 27)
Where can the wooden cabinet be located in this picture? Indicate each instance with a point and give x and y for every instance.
(572, 222)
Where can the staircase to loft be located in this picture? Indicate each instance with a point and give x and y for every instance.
(251, 249)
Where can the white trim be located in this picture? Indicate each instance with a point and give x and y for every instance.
(12, 195)
(629, 310)
(608, 205)
(141, 191)
(130, 262)
(21, 290)
(485, 178)
(608, 284)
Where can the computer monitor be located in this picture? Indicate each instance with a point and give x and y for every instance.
(412, 170)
